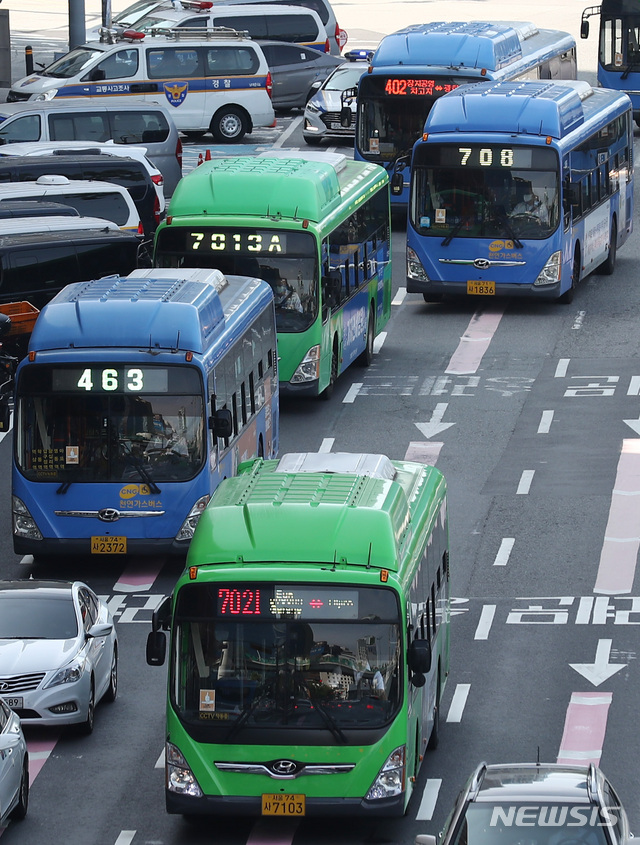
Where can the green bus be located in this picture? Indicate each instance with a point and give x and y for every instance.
(317, 228)
(309, 642)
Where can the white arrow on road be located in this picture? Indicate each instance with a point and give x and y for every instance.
(600, 670)
(634, 424)
(435, 426)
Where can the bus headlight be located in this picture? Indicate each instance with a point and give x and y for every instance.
(189, 525)
(24, 525)
(180, 778)
(390, 780)
(415, 270)
(309, 369)
(551, 272)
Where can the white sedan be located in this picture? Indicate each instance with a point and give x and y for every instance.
(14, 767)
(58, 652)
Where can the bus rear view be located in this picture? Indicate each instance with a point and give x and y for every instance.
(309, 639)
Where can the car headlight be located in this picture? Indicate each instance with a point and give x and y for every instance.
(311, 106)
(68, 674)
(47, 95)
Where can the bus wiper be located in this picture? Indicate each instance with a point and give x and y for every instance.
(628, 69)
(262, 693)
(502, 217)
(456, 229)
(329, 721)
(142, 471)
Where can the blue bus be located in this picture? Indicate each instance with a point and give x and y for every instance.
(415, 66)
(520, 189)
(138, 395)
(618, 47)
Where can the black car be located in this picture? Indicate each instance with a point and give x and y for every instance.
(128, 172)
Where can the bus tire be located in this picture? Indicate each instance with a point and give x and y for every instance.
(434, 738)
(228, 125)
(432, 297)
(609, 265)
(327, 393)
(567, 296)
(366, 357)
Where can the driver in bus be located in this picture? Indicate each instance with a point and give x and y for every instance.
(531, 204)
(286, 296)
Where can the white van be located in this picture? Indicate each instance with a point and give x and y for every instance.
(214, 81)
(271, 22)
(93, 199)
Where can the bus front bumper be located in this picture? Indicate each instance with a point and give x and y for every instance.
(307, 388)
(48, 547)
(215, 805)
(442, 289)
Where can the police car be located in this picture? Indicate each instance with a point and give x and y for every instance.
(215, 80)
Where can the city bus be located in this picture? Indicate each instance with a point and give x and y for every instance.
(316, 227)
(138, 395)
(618, 47)
(413, 67)
(520, 189)
(309, 643)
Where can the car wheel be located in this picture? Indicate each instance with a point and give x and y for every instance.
(313, 142)
(112, 690)
(195, 134)
(86, 727)
(20, 810)
(229, 125)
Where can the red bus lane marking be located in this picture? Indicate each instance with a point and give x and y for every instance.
(273, 832)
(621, 538)
(39, 751)
(584, 728)
(474, 342)
(139, 575)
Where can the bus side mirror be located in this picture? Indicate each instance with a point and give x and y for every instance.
(584, 29)
(156, 648)
(4, 413)
(397, 183)
(345, 117)
(419, 661)
(221, 423)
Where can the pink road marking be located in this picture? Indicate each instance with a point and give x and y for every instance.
(39, 751)
(423, 452)
(474, 342)
(619, 554)
(273, 832)
(584, 728)
(139, 575)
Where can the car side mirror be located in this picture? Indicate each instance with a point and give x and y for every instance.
(100, 630)
(97, 74)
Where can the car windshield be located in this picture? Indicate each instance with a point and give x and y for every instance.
(28, 615)
(344, 77)
(558, 823)
(72, 63)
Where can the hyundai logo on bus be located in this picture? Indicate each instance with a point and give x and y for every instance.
(284, 767)
(545, 815)
(109, 514)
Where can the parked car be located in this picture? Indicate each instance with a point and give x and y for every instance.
(536, 803)
(127, 18)
(136, 173)
(34, 208)
(294, 69)
(330, 112)
(92, 199)
(87, 119)
(58, 652)
(14, 767)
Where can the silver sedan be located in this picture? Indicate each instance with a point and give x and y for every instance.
(58, 652)
(14, 767)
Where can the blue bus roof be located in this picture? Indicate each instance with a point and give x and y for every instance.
(164, 309)
(488, 45)
(538, 108)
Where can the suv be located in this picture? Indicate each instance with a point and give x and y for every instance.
(88, 120)
(537, 803)
(214, 81)
(131, 173)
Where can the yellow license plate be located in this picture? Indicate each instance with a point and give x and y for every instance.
(108, 545)
(481, 288)
(282, 805)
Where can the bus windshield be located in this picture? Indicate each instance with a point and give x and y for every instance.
(100, 423)
(485, 190)
(265, 655)
(286, 260)
(393, 110)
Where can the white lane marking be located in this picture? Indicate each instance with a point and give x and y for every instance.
(429, 798)
(327, 444)
(353, 391)
(125, 837)
(378, 342)
(399, 298)
(524, 485)
(458, 702)
(504, 551)
(486, 620)
(545, 422)
(561, 369)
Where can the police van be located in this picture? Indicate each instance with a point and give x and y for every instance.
(215, 80)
